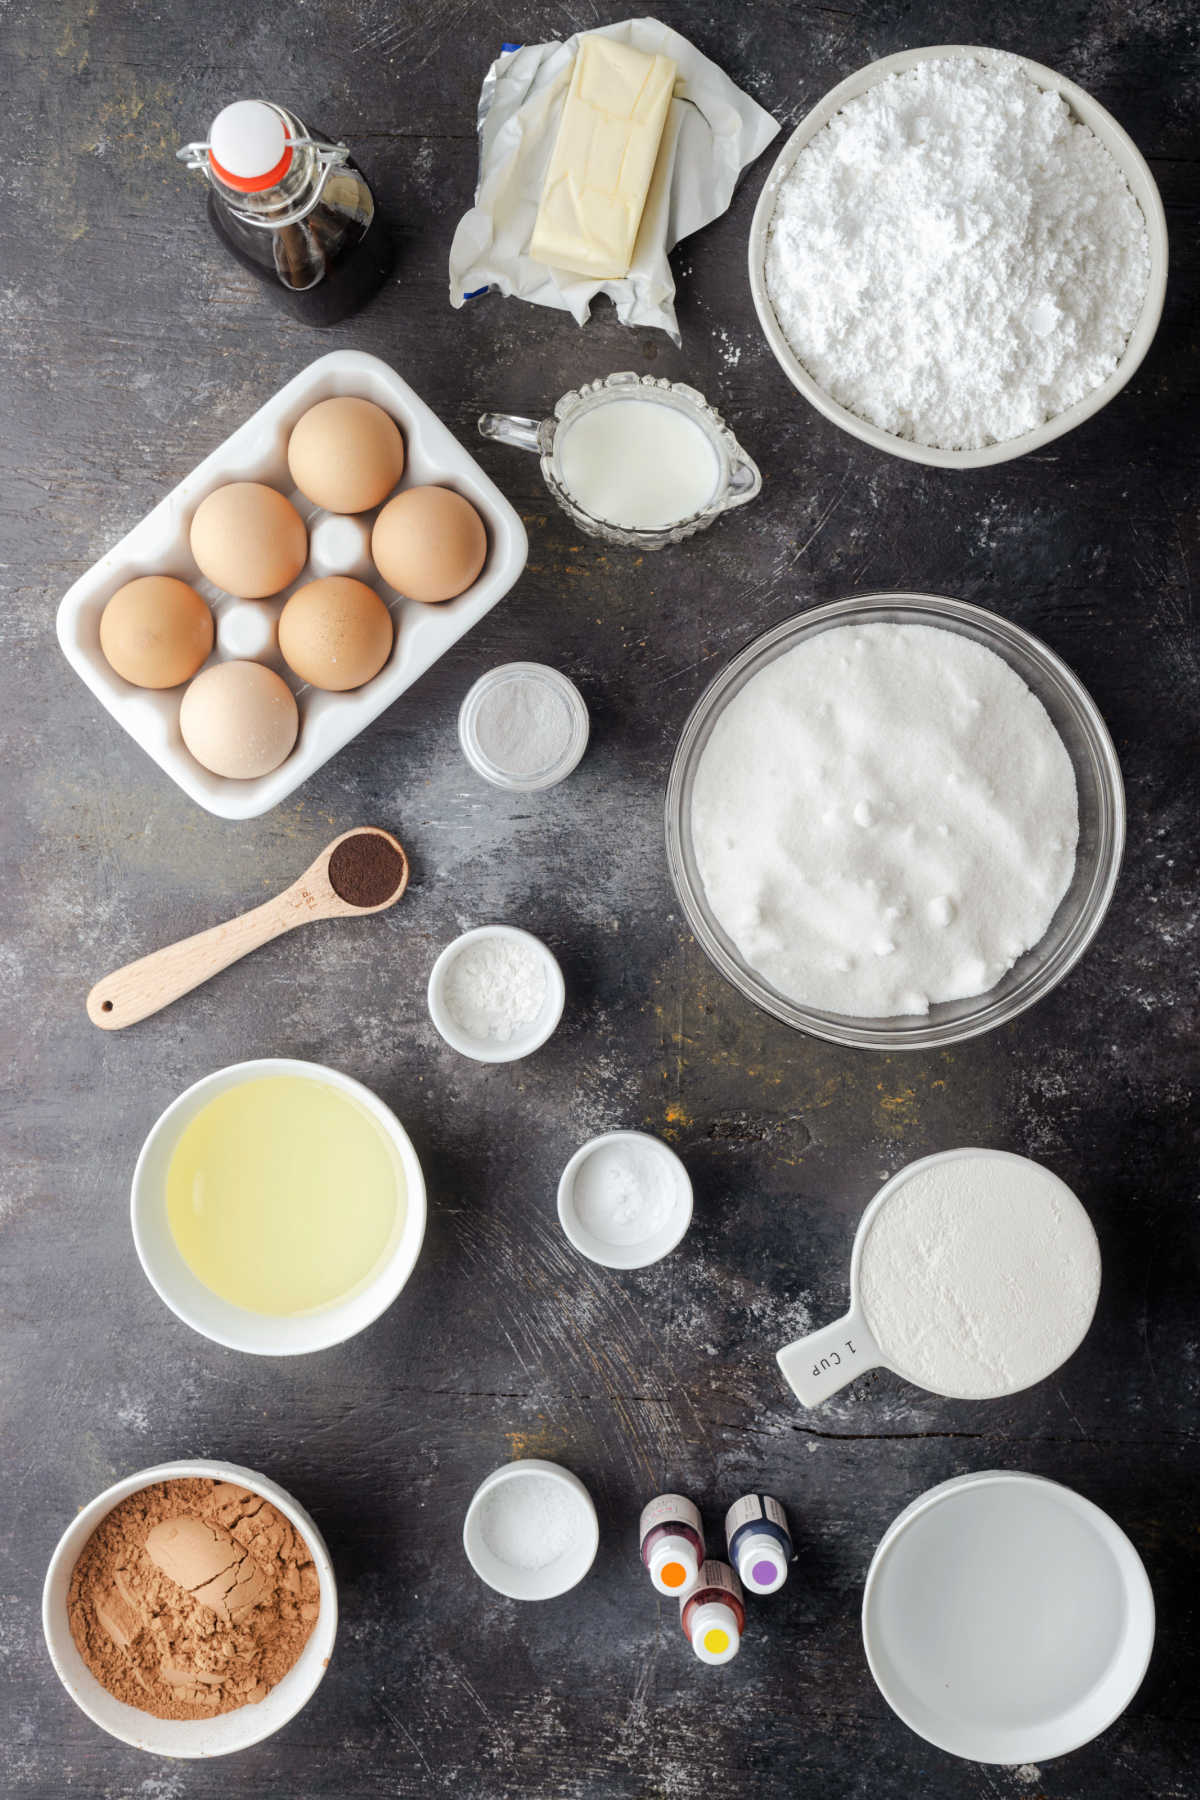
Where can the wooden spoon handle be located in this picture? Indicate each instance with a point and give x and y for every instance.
(152, 982)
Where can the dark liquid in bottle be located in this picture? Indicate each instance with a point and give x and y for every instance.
(325, 266)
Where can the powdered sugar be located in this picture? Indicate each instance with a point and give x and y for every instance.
(884, 817)
(979, 1275)
(954, 257)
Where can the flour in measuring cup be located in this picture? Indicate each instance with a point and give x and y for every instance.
(979, 1275)
(637, 464)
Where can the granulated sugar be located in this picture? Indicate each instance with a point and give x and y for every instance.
(883, 818)
(954, 257)
(979, 1275)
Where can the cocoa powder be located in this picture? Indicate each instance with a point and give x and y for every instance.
(192, 1598)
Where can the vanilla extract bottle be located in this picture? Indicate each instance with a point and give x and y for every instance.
(292, 209)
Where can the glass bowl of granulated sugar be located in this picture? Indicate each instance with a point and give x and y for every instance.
(954, 266)
(895, 821)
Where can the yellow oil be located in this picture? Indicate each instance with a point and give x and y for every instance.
(284, 1194)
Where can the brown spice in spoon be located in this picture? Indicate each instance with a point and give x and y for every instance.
(365, 870)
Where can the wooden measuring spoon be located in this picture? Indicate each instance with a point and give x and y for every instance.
(146, 986)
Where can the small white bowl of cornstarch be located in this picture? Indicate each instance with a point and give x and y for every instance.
(496, 994)
(958, 256)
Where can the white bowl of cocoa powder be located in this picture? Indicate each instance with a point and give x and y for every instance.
(190, 1610)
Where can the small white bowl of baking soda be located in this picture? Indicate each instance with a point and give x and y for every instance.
(625, 1199)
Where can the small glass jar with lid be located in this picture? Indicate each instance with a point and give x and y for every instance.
(523, 726)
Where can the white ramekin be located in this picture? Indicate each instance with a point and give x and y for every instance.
(557, 1577)
(527, 1038)
(186, 1737)
(644, 1251)
(264, 1334)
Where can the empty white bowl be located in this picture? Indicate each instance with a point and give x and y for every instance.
(1124, 153)
(1006, 1619)
(266, 1334)
(587, 1223)
(186, 1737)
(526, 1038)
(566, 1569)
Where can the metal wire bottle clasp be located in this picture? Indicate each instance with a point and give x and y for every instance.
(328, 157)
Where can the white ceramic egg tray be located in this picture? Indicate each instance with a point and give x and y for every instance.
(257, 451)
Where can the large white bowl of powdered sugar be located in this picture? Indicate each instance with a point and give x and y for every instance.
(958, 256)
(895, 821)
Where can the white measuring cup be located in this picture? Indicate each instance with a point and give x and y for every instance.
(818, 1365)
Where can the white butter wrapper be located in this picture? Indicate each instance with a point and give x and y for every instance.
(713, 131)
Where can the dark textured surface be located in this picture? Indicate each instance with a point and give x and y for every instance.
(130, 347)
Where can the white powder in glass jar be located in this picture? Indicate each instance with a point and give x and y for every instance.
(979, 1275)
(523, 726)
(884, 818)
(955, 257)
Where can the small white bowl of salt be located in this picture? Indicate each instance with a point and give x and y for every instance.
(531, 1530)
(625, 1199)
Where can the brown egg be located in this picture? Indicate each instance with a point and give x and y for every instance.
(239, 719)
(156, 631)
(249, 539)
(429, 543)
(346, 454)
(335, 633)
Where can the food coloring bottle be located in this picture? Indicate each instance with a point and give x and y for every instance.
(672, 1543)
(714, 1615)
(759, 1542)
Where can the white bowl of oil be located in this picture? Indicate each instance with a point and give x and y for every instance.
(278, 1207)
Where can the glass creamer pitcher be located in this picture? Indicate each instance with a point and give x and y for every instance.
(634, 459)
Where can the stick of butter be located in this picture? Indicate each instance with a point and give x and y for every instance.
(603, 159)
